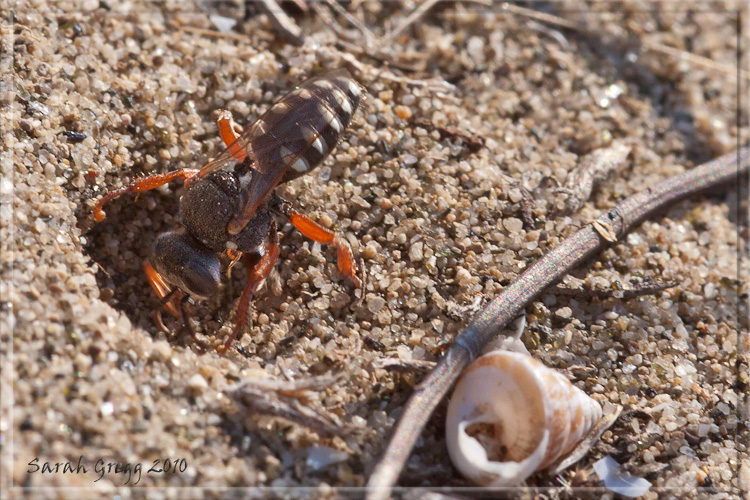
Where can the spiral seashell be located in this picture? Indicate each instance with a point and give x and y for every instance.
(510, 416)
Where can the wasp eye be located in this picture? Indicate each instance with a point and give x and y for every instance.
(186, 263)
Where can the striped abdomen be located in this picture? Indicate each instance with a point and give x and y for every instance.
(290, 139)
(298, 132)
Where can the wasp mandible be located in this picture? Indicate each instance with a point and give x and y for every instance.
(229, 205)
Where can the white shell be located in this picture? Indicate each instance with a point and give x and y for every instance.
(520, 410)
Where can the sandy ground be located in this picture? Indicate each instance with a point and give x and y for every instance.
(88, 373)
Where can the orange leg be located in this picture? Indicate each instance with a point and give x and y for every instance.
(316, 232)
(143, 184)
(172, 299)
(229, 136)
(163, 289)
(258, 270)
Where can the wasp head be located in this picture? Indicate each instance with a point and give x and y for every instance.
(186, 263)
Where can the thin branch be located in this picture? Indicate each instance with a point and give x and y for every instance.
(280, 398)
(542, 17)
(368, 72)
(694, 59)
(384, 60)
(545, 272)
(411, 19)
(419, 366)
(474, 142)
(215, 34)
(329, 21)
(292, 388)
(284, 25)
(338, 8)
(593, 168)
(640, 290)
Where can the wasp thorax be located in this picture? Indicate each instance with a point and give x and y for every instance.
(187, 264)
(221, 191)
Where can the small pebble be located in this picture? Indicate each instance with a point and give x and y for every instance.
(416, 252)
(161, 350)
(513, 225)
(409, 159)
(403, 112)
(385, 95)
(197, 383)
(564, 313)
(325, 221)
(370, 251)
(463, 277)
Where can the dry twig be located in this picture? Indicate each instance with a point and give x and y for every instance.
(284, 25)
(339, 9)
(215, 34)
(635, 292)
(506, 306)
(404, 365)
(383, 60)
(292, 388)
(656, 47)
(411, 19)
(592, 169)
(434, 84)
(473, 142)
(280, 398)
(329, 21)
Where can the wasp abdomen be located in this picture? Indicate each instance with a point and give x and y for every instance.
(302, 128)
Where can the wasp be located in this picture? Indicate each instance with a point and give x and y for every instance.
(229, 205)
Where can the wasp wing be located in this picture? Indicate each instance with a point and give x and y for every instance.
(292, 138)
(227, 158)
(296, 134)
